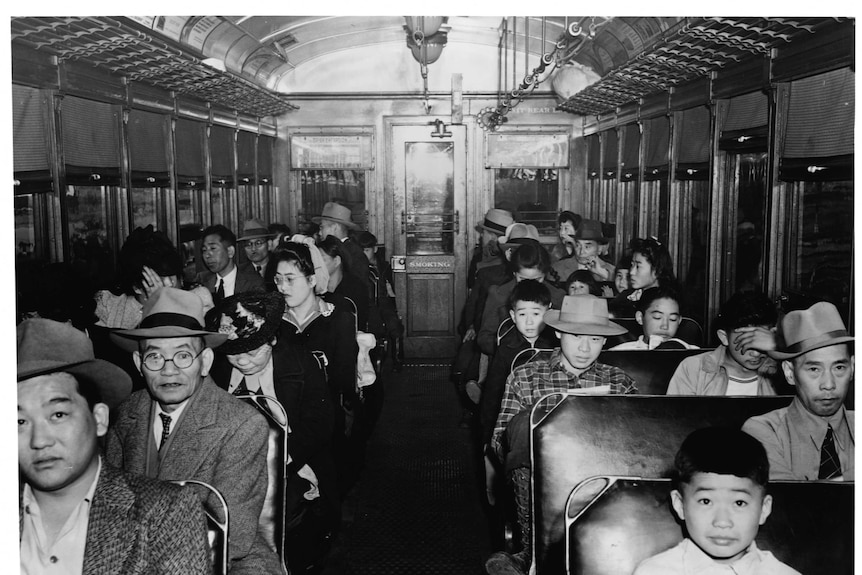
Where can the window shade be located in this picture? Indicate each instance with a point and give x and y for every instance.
(148, 149)
(221, 150)
(191, 162)
(821, 116)
(245, 148)
(29, 142)
(90, 141)
(656, 131)
(593, 156)
(744, 127)
(631, 146)
(693, 144)
(611, 142)
(264, 158)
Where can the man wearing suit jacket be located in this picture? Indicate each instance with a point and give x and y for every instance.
(184, 427)
(77, 514)
(223, 278)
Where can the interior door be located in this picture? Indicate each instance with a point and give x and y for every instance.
(427, 218)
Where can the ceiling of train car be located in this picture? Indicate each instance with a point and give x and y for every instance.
(255, 63)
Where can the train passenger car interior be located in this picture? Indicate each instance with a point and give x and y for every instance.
(728, 140)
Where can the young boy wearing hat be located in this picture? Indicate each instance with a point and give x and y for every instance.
(184, 427)
(814, 437)
(582, 325)
(77, 512)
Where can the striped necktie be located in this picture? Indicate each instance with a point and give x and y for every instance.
(830, 465)
(166, 428)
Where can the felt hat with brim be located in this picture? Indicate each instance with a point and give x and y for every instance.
(47, 346)
(248, 319)
(591, 230)
(336, 213)
(169, 312)
(496, 221)
(518, 234)
(583, 315)
(253, 229)
(805, 330)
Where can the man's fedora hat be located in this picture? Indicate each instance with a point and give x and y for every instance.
(336, 213)
(591, 230)
(170, 312)
(518, 234)
(496, 221)
(248, 319)
(47, 346)
(253, 229)
(805, 330)
(583, 315)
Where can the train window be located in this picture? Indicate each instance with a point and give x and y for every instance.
(430, 184)
(347, 187)
(691, 255)
(746, 178)
(87, 215)
(534, 194)
(25, 226)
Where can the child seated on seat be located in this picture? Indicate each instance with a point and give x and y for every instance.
(740, 365)
(720, 480)
(582, 282)
(527, 306)
(658, 313)
(582, 325)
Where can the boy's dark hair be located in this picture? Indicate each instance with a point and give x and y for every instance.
(650, 295)
(625, 261)
(528, 256)
(721, 450)
(745, 309)
(530, 290)
(223, 232)
(585, 277)
(366, 240)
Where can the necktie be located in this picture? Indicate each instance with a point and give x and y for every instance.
(166, 428)
(219, 295)
(257, 268)
(241, 389)
(830, 466)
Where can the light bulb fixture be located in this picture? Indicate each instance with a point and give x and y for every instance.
(426, 41)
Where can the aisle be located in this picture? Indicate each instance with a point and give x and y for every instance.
(416, 507)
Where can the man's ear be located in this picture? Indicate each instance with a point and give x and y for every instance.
(787, 368)
(676, 502)
(765, 509)
(207, 357)
(101, 413)
(231, 251)
(639, 316)
(722, 337)
(512, 314)
(136, 358)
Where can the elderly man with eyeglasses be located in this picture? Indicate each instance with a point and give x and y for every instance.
(184, 427)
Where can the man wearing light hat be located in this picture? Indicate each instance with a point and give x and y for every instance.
(184, 427)
(336, 220)
(77, 513)
(583, 326)
(814, 437)
(255, 240)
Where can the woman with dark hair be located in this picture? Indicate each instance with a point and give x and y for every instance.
(651, 267)
(148, 260)
(568, 223)
(342, 280)
(322, 328)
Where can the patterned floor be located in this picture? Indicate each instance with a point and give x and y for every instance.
(416, 507)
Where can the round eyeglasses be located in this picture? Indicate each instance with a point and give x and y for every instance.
(182, 359)
(254, 244)
(286, 280)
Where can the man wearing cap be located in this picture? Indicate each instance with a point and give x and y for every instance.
(589, 241)
(813, 438)
(184, 427)
(255, 240)
(583, 327)
(222, 277)
(336, 220)
(254, 361)
(77, 513)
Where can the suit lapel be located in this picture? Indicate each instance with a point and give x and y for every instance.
(185, 454)
(110, 532)
(134, 433)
